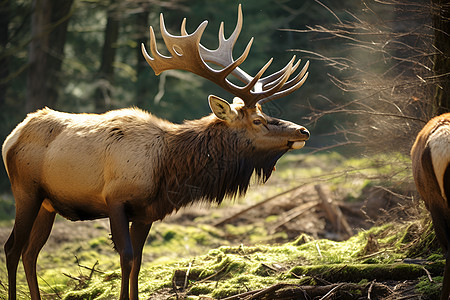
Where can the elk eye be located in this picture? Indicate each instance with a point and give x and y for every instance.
(257, 122)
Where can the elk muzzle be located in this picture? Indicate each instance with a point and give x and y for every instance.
(303, 136)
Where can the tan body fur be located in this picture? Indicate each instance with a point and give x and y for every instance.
(76, 158)
(430, 156)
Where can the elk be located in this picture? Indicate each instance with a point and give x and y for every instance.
(132, 167)
(430, 157)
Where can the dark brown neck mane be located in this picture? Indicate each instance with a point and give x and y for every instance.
(205, 160)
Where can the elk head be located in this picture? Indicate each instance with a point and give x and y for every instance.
(245, 113)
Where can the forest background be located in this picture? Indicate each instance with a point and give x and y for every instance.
(379, 69)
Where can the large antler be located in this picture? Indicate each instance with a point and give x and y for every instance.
(188, 54)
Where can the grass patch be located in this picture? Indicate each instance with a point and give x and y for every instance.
(231, 270)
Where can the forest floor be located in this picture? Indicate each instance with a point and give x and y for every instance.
(323, 227)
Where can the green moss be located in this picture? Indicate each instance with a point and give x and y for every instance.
(302, 239)
(430, 289)
(356, 272)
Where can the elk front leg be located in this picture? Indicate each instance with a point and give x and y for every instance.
(27, 208)
(139, 233)
(446, 285)
(121, 237)
(39, 235)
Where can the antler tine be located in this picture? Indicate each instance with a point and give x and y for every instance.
(297, 78)
(268, 92)
(291, 86)
(255, 83)
(273, 79)
(184, 51)
(279, 76)
(183, 27)
(223, 55)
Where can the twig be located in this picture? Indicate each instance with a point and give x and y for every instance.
(329, 10)
(331, 292)
(318, 250)
(52, 288)
(415, 296)
(186, 277)
(86, 267)
(239, 296)
(297, 276)
(428, 274)
(211, 276)
(373, 254)
(72, 277)
(370, 289)
(269, 267)
(292, 214)
(266, 291)
(226, 220)
(92, 271)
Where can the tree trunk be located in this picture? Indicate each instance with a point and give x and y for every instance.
(141, 87)
(4, 34)
(441, 22)
(48, 31)
(103, 92)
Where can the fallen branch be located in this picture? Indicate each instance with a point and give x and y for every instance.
(227, 220)
(266, 291)
(333, 212)
(292, 214)
(331, 292)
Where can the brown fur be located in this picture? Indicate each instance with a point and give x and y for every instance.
(430, 164)
(131, 166)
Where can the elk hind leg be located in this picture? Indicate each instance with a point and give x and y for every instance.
(120, 232)
(139, 232)
(441, 224)
(39, 235)
(27, 208)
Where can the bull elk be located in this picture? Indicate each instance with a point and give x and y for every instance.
(430, 156)
(132, 167)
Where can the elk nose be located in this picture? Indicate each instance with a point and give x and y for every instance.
(303, 131)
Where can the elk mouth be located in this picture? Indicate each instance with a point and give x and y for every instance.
(294, 145)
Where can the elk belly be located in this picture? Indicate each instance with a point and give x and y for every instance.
(298, 145)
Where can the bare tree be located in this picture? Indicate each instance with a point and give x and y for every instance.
(392, 63)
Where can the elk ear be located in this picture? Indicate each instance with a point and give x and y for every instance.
(221, 108)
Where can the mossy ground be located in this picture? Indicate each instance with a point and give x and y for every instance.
(188, 257)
